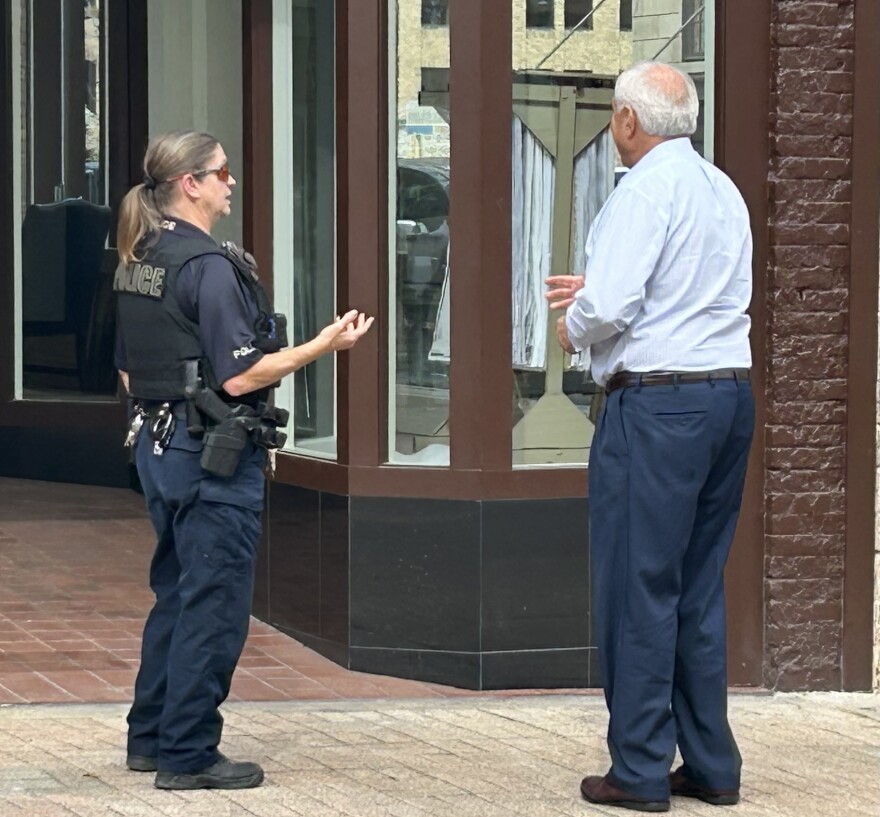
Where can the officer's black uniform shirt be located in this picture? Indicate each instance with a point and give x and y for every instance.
(209, 293)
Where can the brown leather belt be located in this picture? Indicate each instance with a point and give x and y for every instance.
(622, 380)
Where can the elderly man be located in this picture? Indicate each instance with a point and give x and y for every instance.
(662, 309)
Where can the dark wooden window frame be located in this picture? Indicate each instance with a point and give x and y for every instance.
(861, 451)
(742, 149)
(480, 418)
(127, 124)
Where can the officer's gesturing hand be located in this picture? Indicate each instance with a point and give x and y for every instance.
(346, 331)
(339, 336)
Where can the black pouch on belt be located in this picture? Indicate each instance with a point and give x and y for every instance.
(223, 447)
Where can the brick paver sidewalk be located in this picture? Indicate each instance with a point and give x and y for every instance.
(74, 566)
(805, 756)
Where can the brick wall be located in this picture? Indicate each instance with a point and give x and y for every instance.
(810, 195)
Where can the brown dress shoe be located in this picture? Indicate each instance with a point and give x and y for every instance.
(599, 791)
(682, 786)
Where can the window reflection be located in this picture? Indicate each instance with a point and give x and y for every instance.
(678, 33)
(692, 42)
(576, 11)
(539, 13)
(626, 15)
(420, 288)
(435, 12)
(66, 303)
(565, 166)
(314, 213)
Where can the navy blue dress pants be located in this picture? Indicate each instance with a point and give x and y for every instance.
(666, 475)
(202, 573)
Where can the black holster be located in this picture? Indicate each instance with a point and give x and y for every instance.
(226, 428)
(223, 446)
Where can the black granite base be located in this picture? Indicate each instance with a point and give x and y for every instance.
(480, 595)
(81, 457)
(459, 669)
(520, 669)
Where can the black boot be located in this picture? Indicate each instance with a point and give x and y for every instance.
(224, 774)
(141, 763)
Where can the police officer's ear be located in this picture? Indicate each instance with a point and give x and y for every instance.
(190, 186)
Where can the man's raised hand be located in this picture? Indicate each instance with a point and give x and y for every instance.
(563, 289)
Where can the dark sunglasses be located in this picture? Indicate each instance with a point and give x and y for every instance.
(222, 173)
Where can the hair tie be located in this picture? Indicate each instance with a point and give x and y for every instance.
(149, 182)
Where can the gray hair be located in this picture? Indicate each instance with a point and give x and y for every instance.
(664, 98)
(168, 156)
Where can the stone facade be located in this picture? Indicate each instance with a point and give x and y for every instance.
(810, 177)
(655, 24)
(603, 50)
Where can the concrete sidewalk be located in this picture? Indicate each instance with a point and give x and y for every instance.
(805, 756)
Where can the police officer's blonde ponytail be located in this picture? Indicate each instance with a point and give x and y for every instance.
(144, 207)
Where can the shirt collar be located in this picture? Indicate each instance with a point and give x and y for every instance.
(680, 146)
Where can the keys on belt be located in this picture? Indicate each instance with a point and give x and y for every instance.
(159, 421)
(161, 428)
(134, 427)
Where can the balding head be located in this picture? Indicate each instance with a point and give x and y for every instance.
(663, 98)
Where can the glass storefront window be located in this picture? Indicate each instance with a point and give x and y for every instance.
(435, 12)
(304, 99)
(419, 239)
(565, 166)
(65, 316)
(195, 81)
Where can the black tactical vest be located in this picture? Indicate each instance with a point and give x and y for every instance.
(159, 339)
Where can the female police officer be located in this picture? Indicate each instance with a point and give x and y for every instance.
(192, 314)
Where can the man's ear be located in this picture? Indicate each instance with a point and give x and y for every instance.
(630, 122)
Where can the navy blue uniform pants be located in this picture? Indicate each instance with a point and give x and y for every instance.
(202, 573)
(666, 475)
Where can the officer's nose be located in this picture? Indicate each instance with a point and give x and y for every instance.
(231, 181)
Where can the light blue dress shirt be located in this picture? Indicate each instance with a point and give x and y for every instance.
(668, 277)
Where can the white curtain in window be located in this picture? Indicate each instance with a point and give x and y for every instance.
(534, 176)
(593, 184)
(440, 347)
